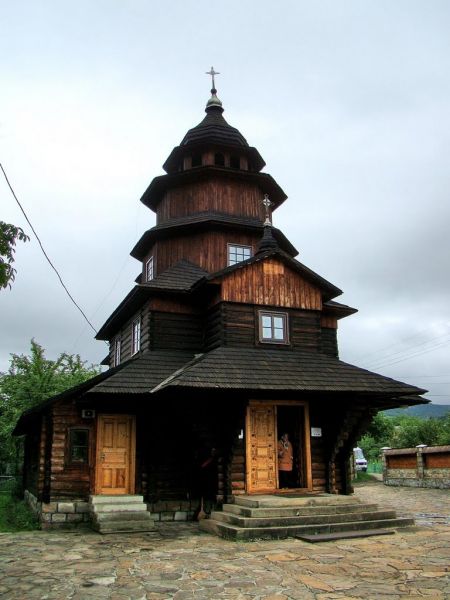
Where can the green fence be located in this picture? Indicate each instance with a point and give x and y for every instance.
(374, 466)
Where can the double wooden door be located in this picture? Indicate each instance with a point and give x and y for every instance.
(262, 443)
(116, 449)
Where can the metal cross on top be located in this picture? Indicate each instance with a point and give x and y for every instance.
(267, 203)
(212, 73)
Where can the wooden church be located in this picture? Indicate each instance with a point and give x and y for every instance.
(225, 343)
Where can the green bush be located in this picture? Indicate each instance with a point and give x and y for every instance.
(15, 515)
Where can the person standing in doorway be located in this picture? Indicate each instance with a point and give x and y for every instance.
(285, 461)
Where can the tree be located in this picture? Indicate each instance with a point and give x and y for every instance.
(404, 431)
(9, 235)
(30, 380)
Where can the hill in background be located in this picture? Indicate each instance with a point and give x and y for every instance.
(423, 410)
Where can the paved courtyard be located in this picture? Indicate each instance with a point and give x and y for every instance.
(182, 563)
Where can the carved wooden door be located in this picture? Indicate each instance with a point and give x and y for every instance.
(261, 448)
(115, 454)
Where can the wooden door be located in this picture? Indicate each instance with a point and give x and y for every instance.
(261, 448)
(116, 447)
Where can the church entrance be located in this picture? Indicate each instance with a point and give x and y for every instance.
(277, 447)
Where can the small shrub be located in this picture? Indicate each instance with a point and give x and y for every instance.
(15, 515)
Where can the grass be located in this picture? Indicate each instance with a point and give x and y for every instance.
(362, 477)
(14, 513)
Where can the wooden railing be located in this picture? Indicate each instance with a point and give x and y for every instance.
(422, 466)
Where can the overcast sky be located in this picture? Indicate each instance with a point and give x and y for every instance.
(347, 102)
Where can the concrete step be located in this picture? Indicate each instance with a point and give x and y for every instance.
(294, 500)
(124, 527)
(343, 535)
(316, 519)
(118, 507)
(296, 511)
(128, 499)
(122, 516)
(234, 532)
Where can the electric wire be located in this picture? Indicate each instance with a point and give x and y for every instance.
(45, 253)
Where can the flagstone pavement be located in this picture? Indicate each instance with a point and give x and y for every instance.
(180, 562)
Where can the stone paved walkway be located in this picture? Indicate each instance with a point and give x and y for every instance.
(181, 563)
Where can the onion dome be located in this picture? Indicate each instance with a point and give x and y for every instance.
(214, 129)
(268, 241)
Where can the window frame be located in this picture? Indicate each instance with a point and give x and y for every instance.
(242, 246)
(150, 266)
(273, 314)
(70, 458)
(135, 336)
(117, 350)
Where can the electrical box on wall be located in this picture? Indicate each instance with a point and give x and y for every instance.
(87, 413)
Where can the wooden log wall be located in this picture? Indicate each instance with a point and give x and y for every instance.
(217, 194)
(125, 336)
(175, 331)
(69, 481)
(270, 283)
(329, 343)
(233, 324)
(208, 250)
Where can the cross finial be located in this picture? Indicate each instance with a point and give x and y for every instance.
(212, 73)
(267, 204)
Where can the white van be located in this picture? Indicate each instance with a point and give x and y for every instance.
(360, 461)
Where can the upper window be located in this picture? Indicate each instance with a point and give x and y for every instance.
(235, 162)
(79, 446)
(273, 327)
(135, 336)
(238, 253)
(149, 269)
(196, 160)
(117, 351)
(219, 159)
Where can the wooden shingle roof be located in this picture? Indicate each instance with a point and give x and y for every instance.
(275, 369)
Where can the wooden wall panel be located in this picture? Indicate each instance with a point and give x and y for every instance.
(270, 283)
(175, 331)
(217, 194)
(207, 249)
(125, 336)
(69, 481)
(329, 343)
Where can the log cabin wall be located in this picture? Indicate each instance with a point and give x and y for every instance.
(169, 330)
(125, 335)
(329, 343)
(270, 283)
(234, 324)
(70, 480)
(208, 250)
(217, 194)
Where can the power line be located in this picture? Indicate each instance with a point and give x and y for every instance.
(384, 364)
(45, 253)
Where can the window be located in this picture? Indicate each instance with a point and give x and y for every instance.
(273, 327)
(235, 162)
(219, 159)
(117, 350)
(79, 446)
(196, 160)
(149, 269)
(135, 336)
(238, 253)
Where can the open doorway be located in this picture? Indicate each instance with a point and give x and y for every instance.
(290, 447)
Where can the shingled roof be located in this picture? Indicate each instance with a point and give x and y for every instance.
(178, 278)
(274, 369)
(203, 220)
(144, 373)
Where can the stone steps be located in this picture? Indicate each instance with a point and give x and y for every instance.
(265, 517)
(120, 514)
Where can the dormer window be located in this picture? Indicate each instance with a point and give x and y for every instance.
(219, 159)
(149, 269)
(273, 327)
(237, 253)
